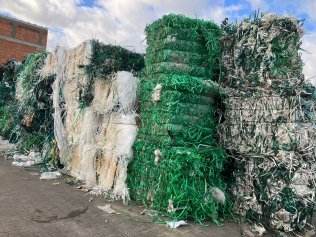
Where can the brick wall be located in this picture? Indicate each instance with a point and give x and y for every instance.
(18, 39)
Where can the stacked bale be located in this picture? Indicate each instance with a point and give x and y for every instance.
(177, 166)
(34, 125)
(263, 51)
(94, 98)
(26, 112)
(8, 73)
(269, 126)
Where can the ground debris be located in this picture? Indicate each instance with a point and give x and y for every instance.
(176, 224)
(32, 159)
(252, 230)
(50, 175)
(107, 209)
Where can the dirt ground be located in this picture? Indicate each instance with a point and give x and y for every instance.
(33, 207)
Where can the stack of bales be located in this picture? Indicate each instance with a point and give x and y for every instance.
(177, 165)
(269, 126)
(7, 96)
(94, 98)
(34, 120)
(26, 115)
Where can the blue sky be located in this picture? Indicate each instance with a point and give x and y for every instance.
(123, 21)
(281, 7)
(87, 3)
(285, 7)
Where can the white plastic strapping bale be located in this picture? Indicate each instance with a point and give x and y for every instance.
(95, 142)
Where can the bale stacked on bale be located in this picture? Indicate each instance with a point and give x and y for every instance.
(177, 166)
(269, 126)
(33, 95)
(104, 61)
(263, 52)
(94, 112)
(27, 109)
(7, 97)
(180, 45)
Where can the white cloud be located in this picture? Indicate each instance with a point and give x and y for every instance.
(112, 21)
(258, 4)
(309, 57)
(308, 7)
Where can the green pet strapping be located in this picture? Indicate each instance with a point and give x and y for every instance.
(177, 161)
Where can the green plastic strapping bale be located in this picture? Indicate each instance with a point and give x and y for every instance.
(175, 134)
(182, 83)
(32, 120)
(177, 108)
(190, 34)
(163, 118)
(7, 97)
(177, 165)
(167, 117)
(177, 68)
(36, 110)
(173, 95)
(180, 22)
(176, 57)
(7, 81)
(182, 176)
(176, 45)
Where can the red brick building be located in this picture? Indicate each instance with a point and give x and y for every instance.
(19, 38)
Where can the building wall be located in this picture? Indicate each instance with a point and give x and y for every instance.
(18, 39)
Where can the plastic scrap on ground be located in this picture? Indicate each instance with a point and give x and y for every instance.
(6, 146)
(107, 209)
(32, 159)
(176, 224)
(50, 175)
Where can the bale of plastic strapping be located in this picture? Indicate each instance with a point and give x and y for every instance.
(180, 45)
(34, 125)
(269, 123)
(94, 112)
(262, 51)
(272, 142)
(8, 73)
(26, 113)
(177, 165)
(169, 111)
